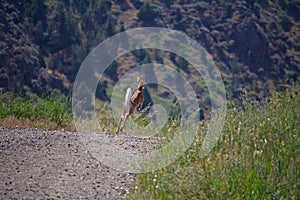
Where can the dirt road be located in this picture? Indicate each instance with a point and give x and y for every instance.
(39, 164)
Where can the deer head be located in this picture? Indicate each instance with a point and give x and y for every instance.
(140, 81)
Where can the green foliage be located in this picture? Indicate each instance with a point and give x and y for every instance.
(101, 90)
(182, 63)
(147, 12)
(37, 11)
(111, 71)
(256, 158)
(62, 32)
(168, 3)
(56, 35)
(54, 109)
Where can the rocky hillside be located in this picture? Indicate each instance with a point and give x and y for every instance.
(255, 44)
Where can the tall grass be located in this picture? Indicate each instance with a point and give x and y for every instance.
(52, 109)
(257, 157)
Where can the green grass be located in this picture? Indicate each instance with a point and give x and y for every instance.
(53, 109)
(257, 157)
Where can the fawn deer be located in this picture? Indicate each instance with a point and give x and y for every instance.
(132, 102)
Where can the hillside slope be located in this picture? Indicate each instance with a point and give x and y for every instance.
(255, 43)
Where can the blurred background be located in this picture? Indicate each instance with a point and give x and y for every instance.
(255, 44)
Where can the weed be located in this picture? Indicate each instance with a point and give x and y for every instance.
(257, 157)
(53, 109)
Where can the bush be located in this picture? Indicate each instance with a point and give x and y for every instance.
(256, 158)
(147, 12)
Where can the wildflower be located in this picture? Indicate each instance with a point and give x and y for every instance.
(257, 152)
(282, 143)
(296, 92)
(154, 180)
(239, 128)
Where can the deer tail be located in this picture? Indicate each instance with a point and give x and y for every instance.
(127, 102)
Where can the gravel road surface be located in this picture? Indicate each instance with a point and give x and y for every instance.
(40, 164)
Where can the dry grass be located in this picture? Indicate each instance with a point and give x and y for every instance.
(12, 121)
(256, 158)
(52, 113)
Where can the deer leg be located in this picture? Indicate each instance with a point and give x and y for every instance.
(120, 121)
(125, 119)
(118, 129)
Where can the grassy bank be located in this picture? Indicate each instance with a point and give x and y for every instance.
(257, 157)
(47, 113)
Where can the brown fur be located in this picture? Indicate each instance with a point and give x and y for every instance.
(137, 100)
